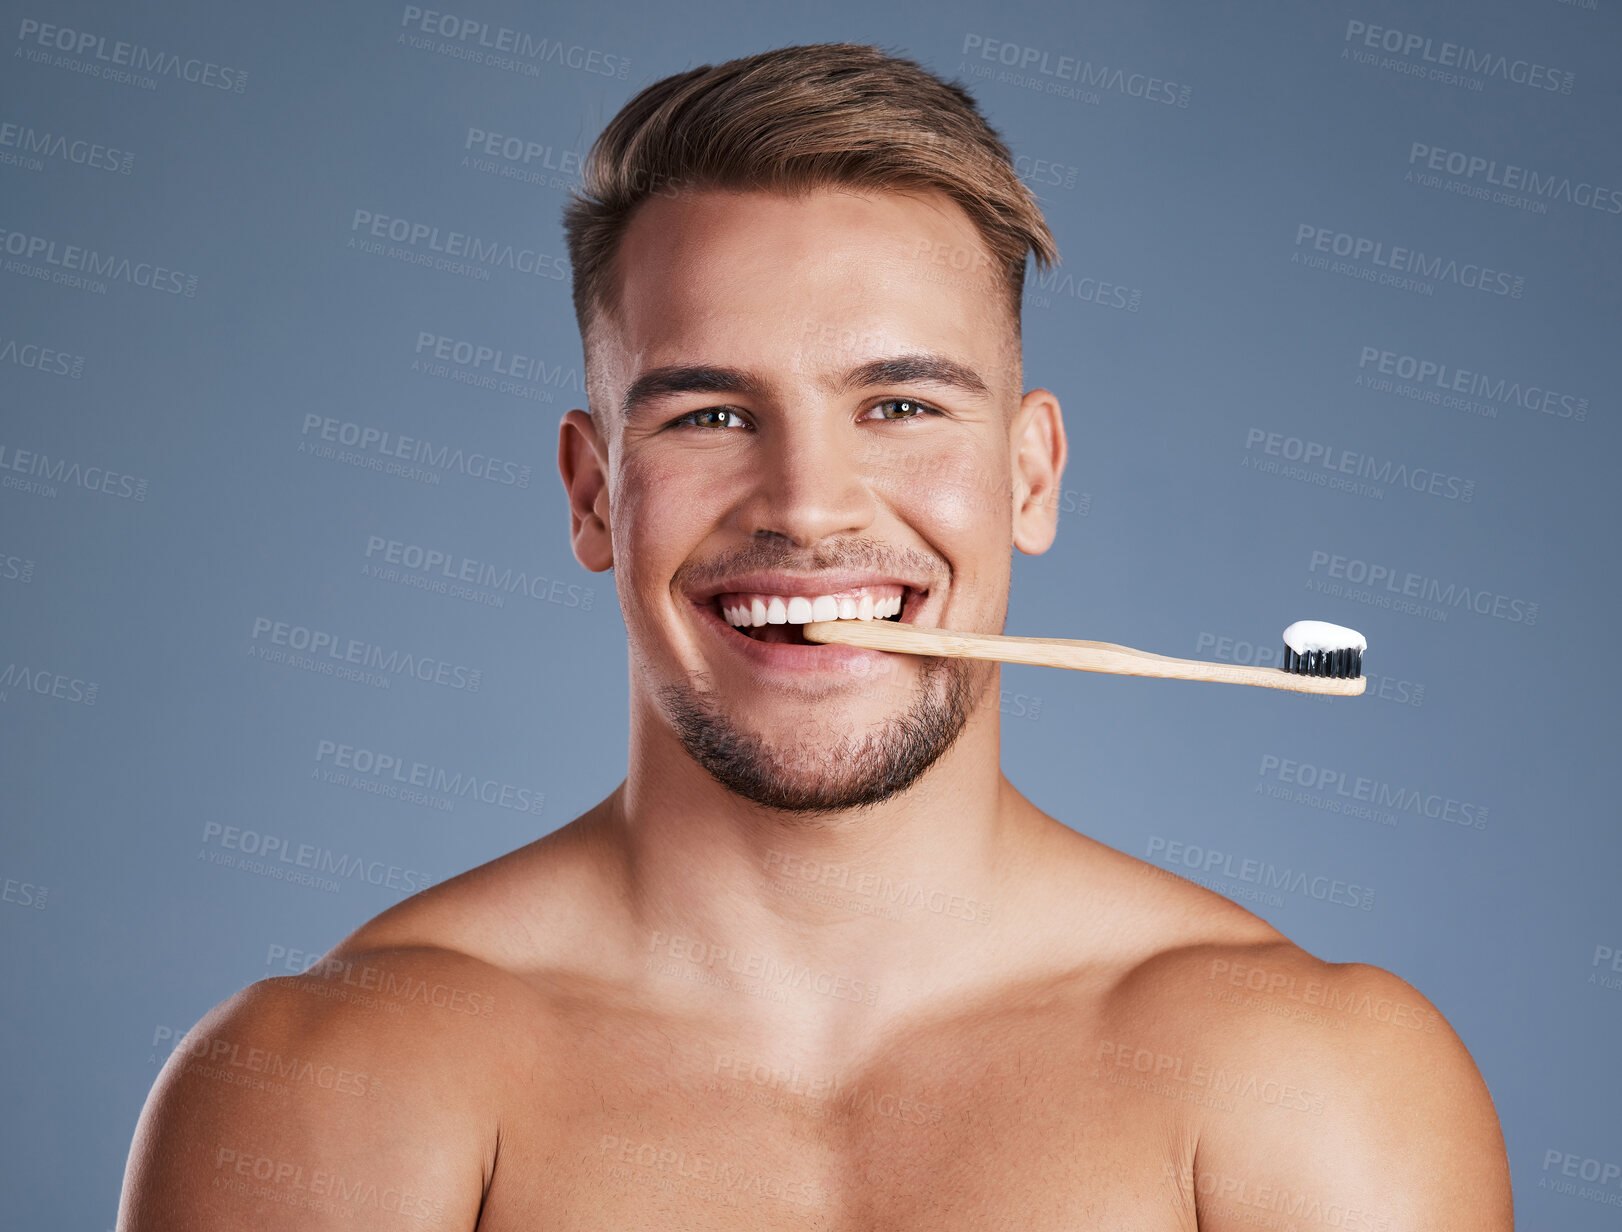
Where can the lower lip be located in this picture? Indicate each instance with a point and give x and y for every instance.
(814, 656)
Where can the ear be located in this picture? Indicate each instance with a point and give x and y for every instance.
(1039, 451)
(583, 463)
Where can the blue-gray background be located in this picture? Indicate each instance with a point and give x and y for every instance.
(165, 755)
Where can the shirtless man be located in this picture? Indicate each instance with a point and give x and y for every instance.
(815, 963)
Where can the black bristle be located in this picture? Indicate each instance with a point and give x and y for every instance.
(1345, 663)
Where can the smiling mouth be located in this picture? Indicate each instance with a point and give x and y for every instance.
(779, 618)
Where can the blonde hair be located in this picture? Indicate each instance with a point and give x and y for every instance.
(792, 120)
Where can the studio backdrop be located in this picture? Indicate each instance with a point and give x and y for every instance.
(289, 624)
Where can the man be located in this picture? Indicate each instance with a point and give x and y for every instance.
(815, 962)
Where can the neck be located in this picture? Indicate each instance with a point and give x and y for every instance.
(879, 908)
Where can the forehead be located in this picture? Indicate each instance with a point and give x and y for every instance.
(803, 282)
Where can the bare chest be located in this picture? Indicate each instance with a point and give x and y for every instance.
(974, 1131)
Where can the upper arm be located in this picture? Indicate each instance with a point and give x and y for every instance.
(1378, 1119)
(310, 1103)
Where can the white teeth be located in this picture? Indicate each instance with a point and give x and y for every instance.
(801, 609)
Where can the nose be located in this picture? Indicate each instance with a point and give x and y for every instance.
(811, 484)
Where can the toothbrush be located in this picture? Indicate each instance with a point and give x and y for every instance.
(1318, 657)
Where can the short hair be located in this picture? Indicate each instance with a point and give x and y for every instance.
(792, 120)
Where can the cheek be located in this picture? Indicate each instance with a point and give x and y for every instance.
(958, 499)
(962, 505)
(661, 509)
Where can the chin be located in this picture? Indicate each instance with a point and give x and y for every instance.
(817, 764)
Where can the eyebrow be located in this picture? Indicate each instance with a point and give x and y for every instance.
(922, 368)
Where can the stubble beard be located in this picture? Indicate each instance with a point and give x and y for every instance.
(824, 771)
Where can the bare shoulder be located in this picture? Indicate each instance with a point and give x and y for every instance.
(373, 1083)
(1323, 1089)
(361, 1090)
(531, 913)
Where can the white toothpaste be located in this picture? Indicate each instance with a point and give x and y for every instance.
(1308, 635)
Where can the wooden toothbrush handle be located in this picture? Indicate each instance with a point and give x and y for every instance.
(1081, 656)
